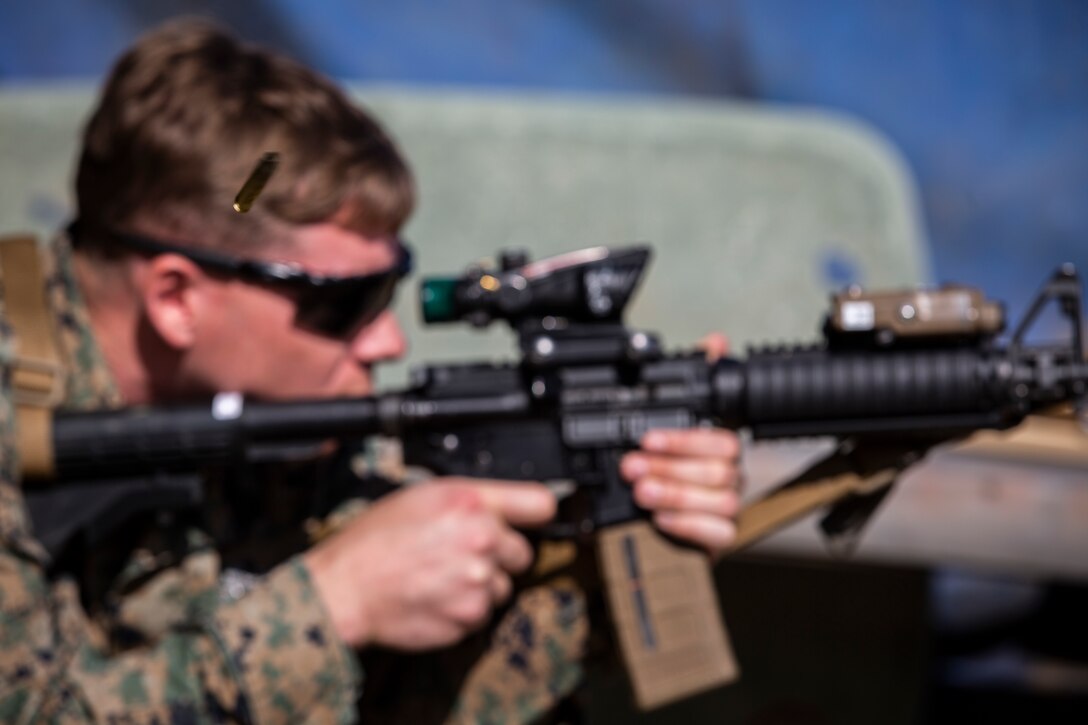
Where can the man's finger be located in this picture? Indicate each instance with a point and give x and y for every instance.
(696, 442)
(518, 504)
(714, 473)
(501, 586)
(715, 345)
(513, 552)
(713, 533)
(658, 495)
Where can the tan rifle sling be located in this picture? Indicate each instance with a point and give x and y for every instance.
(37, 374)
(846, 472)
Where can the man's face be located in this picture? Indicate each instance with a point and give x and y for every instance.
(252, 344)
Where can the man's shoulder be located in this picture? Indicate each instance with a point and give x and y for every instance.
(88, 383)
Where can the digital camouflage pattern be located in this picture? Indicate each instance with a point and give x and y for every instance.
(534, 660)
(166, 647)
(515, 671)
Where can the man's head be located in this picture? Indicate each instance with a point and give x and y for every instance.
(183, 119)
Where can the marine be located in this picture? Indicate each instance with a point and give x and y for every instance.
(161, 292)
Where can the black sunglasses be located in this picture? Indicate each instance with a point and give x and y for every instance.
(332, 306)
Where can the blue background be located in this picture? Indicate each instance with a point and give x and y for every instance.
(987, 99)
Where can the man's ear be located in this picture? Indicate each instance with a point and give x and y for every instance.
(175, 295)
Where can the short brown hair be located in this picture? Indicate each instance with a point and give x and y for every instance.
(182, 121)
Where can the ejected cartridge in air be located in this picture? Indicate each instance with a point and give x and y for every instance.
(256, 181)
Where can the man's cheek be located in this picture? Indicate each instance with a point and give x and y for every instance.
(351, 380)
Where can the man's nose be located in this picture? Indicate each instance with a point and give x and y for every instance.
(382, 339)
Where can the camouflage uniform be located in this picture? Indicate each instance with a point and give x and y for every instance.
(166, 637)
(515, 671)
(187, 655)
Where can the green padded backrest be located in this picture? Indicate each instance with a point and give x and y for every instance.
(755, 212)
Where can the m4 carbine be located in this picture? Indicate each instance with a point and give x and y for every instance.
(905, 368)
(895, 374)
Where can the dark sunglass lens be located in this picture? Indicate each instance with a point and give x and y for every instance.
(343, 307)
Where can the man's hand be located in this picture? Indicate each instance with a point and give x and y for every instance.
(425, 566)
(688, 479)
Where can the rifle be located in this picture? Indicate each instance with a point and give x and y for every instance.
(896, 374)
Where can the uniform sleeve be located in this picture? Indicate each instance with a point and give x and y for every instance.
(270, 657)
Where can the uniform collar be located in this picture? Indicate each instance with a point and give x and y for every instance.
(90, 383)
